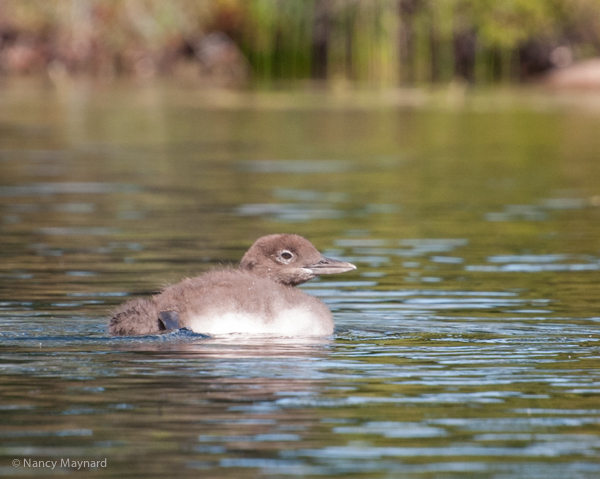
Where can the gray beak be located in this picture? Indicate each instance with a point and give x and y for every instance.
(330, 266)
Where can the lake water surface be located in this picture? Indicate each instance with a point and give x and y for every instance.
(467, 342)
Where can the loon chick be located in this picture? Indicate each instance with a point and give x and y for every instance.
(258, 297)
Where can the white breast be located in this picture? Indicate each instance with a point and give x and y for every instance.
(289, 322)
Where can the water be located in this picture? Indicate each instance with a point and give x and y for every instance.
(466, 342)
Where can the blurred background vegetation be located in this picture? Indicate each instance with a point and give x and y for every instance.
(271, 42)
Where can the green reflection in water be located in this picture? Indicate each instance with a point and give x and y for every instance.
(467, 338)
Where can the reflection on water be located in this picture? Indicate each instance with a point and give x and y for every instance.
(466, 343)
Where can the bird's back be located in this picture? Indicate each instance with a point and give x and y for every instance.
(231, 300)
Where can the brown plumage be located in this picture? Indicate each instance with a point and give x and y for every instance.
(257, 297)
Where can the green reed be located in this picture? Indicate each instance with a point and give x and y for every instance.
(375, 42)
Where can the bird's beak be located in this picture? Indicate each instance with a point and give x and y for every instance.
(330, 266)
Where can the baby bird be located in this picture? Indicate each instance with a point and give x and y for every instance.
(256, 298)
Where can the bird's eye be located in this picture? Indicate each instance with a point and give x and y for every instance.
(287, 255)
